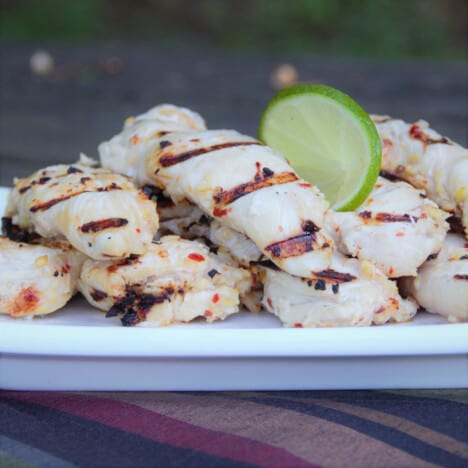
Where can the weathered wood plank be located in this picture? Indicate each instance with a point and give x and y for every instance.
(50, 120)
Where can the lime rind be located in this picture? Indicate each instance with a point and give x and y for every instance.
(328, 148)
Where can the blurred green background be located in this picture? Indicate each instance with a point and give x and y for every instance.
(434, 29)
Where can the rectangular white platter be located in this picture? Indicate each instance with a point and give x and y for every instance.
(77, 348)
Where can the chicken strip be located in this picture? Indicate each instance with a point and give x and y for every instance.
(100, 213)
(259, 196)
(37, 279)
(427, 160)
(396, 228)
(125, 153)
(441, 286)
(175, 280)
(350, 293)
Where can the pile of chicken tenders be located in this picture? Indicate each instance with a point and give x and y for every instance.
(177, 222)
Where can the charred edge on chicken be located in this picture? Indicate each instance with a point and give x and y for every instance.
(455, 224)
(134, 306)
(389, 176)
(97, 294)
(15, 233)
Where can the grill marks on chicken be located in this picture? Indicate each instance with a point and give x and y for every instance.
(333, 276)
(54, 201)
(103, 224)
(292, 247)
(100, 213)
(223, 198)
(461, 277)
(169, 159)
(296, 245)
(368, 216)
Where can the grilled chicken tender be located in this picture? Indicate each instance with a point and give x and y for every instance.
(125, 153)
(427, 160)
(175, 280)
(100, 213)
(441, 286)
(37, 279)
(259, 195)
(350, 293)
(396, 228)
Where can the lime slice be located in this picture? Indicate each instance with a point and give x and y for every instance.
(329, 140)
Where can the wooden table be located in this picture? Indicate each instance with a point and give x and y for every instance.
(52, 119)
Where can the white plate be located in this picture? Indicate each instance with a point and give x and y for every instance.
(77, 348)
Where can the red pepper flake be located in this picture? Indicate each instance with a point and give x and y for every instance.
(387, 143)
(270, 302)
(399, 234)
(215, 298)
(219, 212)
(208, 313)
(415, 131)
(298, 325)
(196, 257)
(134, 140)
(138, 230)
(337, 229)
(66, 268)
(390, 270)
(305, 184)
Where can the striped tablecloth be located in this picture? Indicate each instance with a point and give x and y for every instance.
(208, 429)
